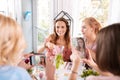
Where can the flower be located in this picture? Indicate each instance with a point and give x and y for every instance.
(58, 50)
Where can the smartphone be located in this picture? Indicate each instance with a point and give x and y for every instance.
(79, 44)
(37, 59)
(74, 43)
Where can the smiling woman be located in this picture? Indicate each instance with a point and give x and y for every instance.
(90, 28)
(60, 37)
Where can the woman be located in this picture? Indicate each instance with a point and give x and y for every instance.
(107, 55)
(90, 28)
(81, 46)
(12, 44)
(60, 37)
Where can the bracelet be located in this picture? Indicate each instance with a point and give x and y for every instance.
(74, 72)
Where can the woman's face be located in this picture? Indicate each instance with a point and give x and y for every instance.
(60, 28)
(86, 30)
(80, 42)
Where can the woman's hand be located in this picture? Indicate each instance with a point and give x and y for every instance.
(50, 45)
(75, 58)
(50, 69)
(89, 60)
(25, 63)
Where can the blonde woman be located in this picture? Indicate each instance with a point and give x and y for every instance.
(12, 44)
(90, 28)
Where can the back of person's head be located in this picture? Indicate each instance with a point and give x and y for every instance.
(108, 49)
(93, 23)
(12, 42)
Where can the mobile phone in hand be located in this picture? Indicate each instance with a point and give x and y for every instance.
(79, 44)
(37, 59)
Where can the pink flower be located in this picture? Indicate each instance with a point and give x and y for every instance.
(58, 50)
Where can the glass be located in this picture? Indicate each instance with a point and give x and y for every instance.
(59, 63)
(58, 56)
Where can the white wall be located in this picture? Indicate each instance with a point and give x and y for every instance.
(64, 5)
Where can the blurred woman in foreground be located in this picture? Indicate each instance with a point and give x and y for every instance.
(12, 45)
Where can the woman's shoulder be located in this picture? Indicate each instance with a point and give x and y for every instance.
(50, 37)
(103, 78)
(22, 73)
(10, 68)
(15, 71)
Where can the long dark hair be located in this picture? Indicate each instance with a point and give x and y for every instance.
(108, 49)
(55, 37)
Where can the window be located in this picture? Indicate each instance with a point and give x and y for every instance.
(44, 21)
(87, 8)
(78, 9)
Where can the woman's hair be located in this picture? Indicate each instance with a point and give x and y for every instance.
(12, 42)
(67, 34)
(93, 23)
(108, 49)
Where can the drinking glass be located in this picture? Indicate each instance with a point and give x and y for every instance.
(59, 63)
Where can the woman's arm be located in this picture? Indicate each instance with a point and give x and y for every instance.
(74, 72)
(25, 64)
(92, 64)
(41, 49)
(44, 46)
(50, 69)
(75, 65)
(50, 45)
